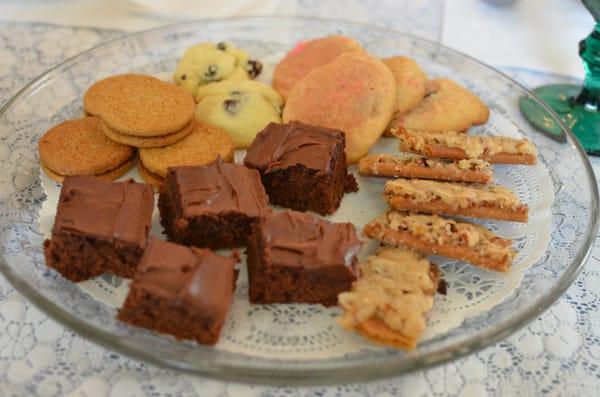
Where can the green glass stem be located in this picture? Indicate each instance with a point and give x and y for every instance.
(589, 51)
(578, 107)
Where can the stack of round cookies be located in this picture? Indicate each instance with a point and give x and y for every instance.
(130, 111)
(141, 111)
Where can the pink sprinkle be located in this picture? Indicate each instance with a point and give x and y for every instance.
(297, 48)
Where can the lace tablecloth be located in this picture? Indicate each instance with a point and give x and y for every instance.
(557, 354)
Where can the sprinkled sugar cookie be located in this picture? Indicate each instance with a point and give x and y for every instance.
(307, 56)
(355, 93)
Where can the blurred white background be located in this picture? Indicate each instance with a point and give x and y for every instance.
(537, 34)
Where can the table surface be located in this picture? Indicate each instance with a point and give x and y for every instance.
(556, 354)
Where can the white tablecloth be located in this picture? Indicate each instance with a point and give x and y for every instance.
(557, 354)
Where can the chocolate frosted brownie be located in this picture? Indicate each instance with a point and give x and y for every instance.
(211, 206)
(182, 291)
(298, 257)
(303, 167)
(100, 227)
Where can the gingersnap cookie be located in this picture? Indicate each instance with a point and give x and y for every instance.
(410, 83)
(145, 106)
(307, 56)
(355, 93)
(447, 107)
(99, 92)
(141, 142)
(79, 147)
(206, 63)
(149, 177)
(241, 108)
(202, 146)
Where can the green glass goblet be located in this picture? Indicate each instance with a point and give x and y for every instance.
(578, 107)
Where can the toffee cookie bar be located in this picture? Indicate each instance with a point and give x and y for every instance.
(390, 301)
(472, 200)
(456, 146)
(436, 235)
(412, 166)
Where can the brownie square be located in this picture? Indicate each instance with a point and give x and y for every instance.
(296, 257)
(100, 227)
(182, 291)
(211, 206)
(302, 167)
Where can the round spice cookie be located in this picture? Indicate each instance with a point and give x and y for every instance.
(242, 109)
(447, 107)
(147, 107)
(149, 177)
(109, 175)
(410, 83)
(202, 146)
(79, 147)
(206, 63)
(141, 142)
(355, 93)
(307, 56)
(97, 94)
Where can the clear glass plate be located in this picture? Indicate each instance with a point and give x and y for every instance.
(566, 186)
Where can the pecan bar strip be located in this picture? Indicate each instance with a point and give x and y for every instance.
(436, 235)
(387, 165)
(455, 146)
(472, 200)
(390, 300)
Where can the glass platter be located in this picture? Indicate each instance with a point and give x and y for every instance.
(300, 344)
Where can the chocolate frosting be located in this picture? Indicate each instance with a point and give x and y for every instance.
(279, 146)
(298, 239)
(215, 188)
(119, 212)
(197, 279)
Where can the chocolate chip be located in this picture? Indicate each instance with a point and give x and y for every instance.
(231, 106)
(183, 77)
(442, 287)
(211, 72)
(254, 68)
(222, 46)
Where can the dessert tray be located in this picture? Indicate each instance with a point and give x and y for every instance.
(301, 343)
